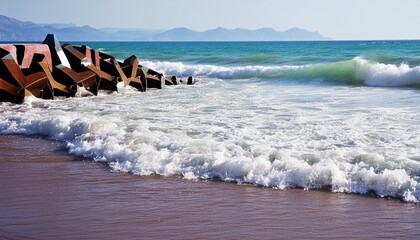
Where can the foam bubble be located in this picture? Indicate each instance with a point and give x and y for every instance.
(386, 75)
(357, 71)
(307, 136)
(214, 71)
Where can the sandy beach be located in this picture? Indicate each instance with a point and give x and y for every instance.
(48, 194)
(209, 120)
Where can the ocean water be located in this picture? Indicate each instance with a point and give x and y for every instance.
(342, 116)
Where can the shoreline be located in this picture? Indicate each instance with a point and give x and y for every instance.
(48, 194)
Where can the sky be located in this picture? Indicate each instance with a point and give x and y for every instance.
(336, 19)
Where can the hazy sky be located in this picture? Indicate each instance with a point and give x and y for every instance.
(338, 19)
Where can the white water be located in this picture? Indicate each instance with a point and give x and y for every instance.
(349, 139)
(387, 75)
(358, 71)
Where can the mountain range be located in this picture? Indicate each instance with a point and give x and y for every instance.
(14, 30)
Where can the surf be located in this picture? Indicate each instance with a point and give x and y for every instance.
(304, 123)
(355, 72)
(281, 136)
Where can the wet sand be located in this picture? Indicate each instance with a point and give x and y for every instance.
(47, 194)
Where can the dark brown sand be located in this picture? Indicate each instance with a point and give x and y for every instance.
(47, 194)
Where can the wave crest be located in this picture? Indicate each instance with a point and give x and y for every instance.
(358, 71)
(214, 71)
(386, 75)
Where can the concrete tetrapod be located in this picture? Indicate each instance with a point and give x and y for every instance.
(63, 72)
(33, 81)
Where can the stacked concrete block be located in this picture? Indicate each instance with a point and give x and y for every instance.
(50, 69)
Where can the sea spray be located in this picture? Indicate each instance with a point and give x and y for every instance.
(387, 75)
(298, 115)
(308, 136)
(355, 72)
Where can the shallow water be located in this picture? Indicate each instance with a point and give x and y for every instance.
(323, 117)
(47, 194)
(290, 136)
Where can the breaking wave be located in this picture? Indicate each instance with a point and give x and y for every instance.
(355, 72)
(264, 138)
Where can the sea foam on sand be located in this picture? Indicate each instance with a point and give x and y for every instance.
(281, 136)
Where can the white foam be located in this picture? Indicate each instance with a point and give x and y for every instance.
(214, 71)
(268, 134)
(386, 75)
(82, 92)
(356, 71)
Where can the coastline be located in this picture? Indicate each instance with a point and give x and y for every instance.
(48, 194)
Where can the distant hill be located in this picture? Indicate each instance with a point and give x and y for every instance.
(237, 34)
(14, 30)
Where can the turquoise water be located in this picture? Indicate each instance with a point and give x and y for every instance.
(343, 116)
(348, 62)
(267, 53)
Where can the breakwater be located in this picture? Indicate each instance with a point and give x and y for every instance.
(50, 69)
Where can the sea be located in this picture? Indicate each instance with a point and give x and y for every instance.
(338, 116)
